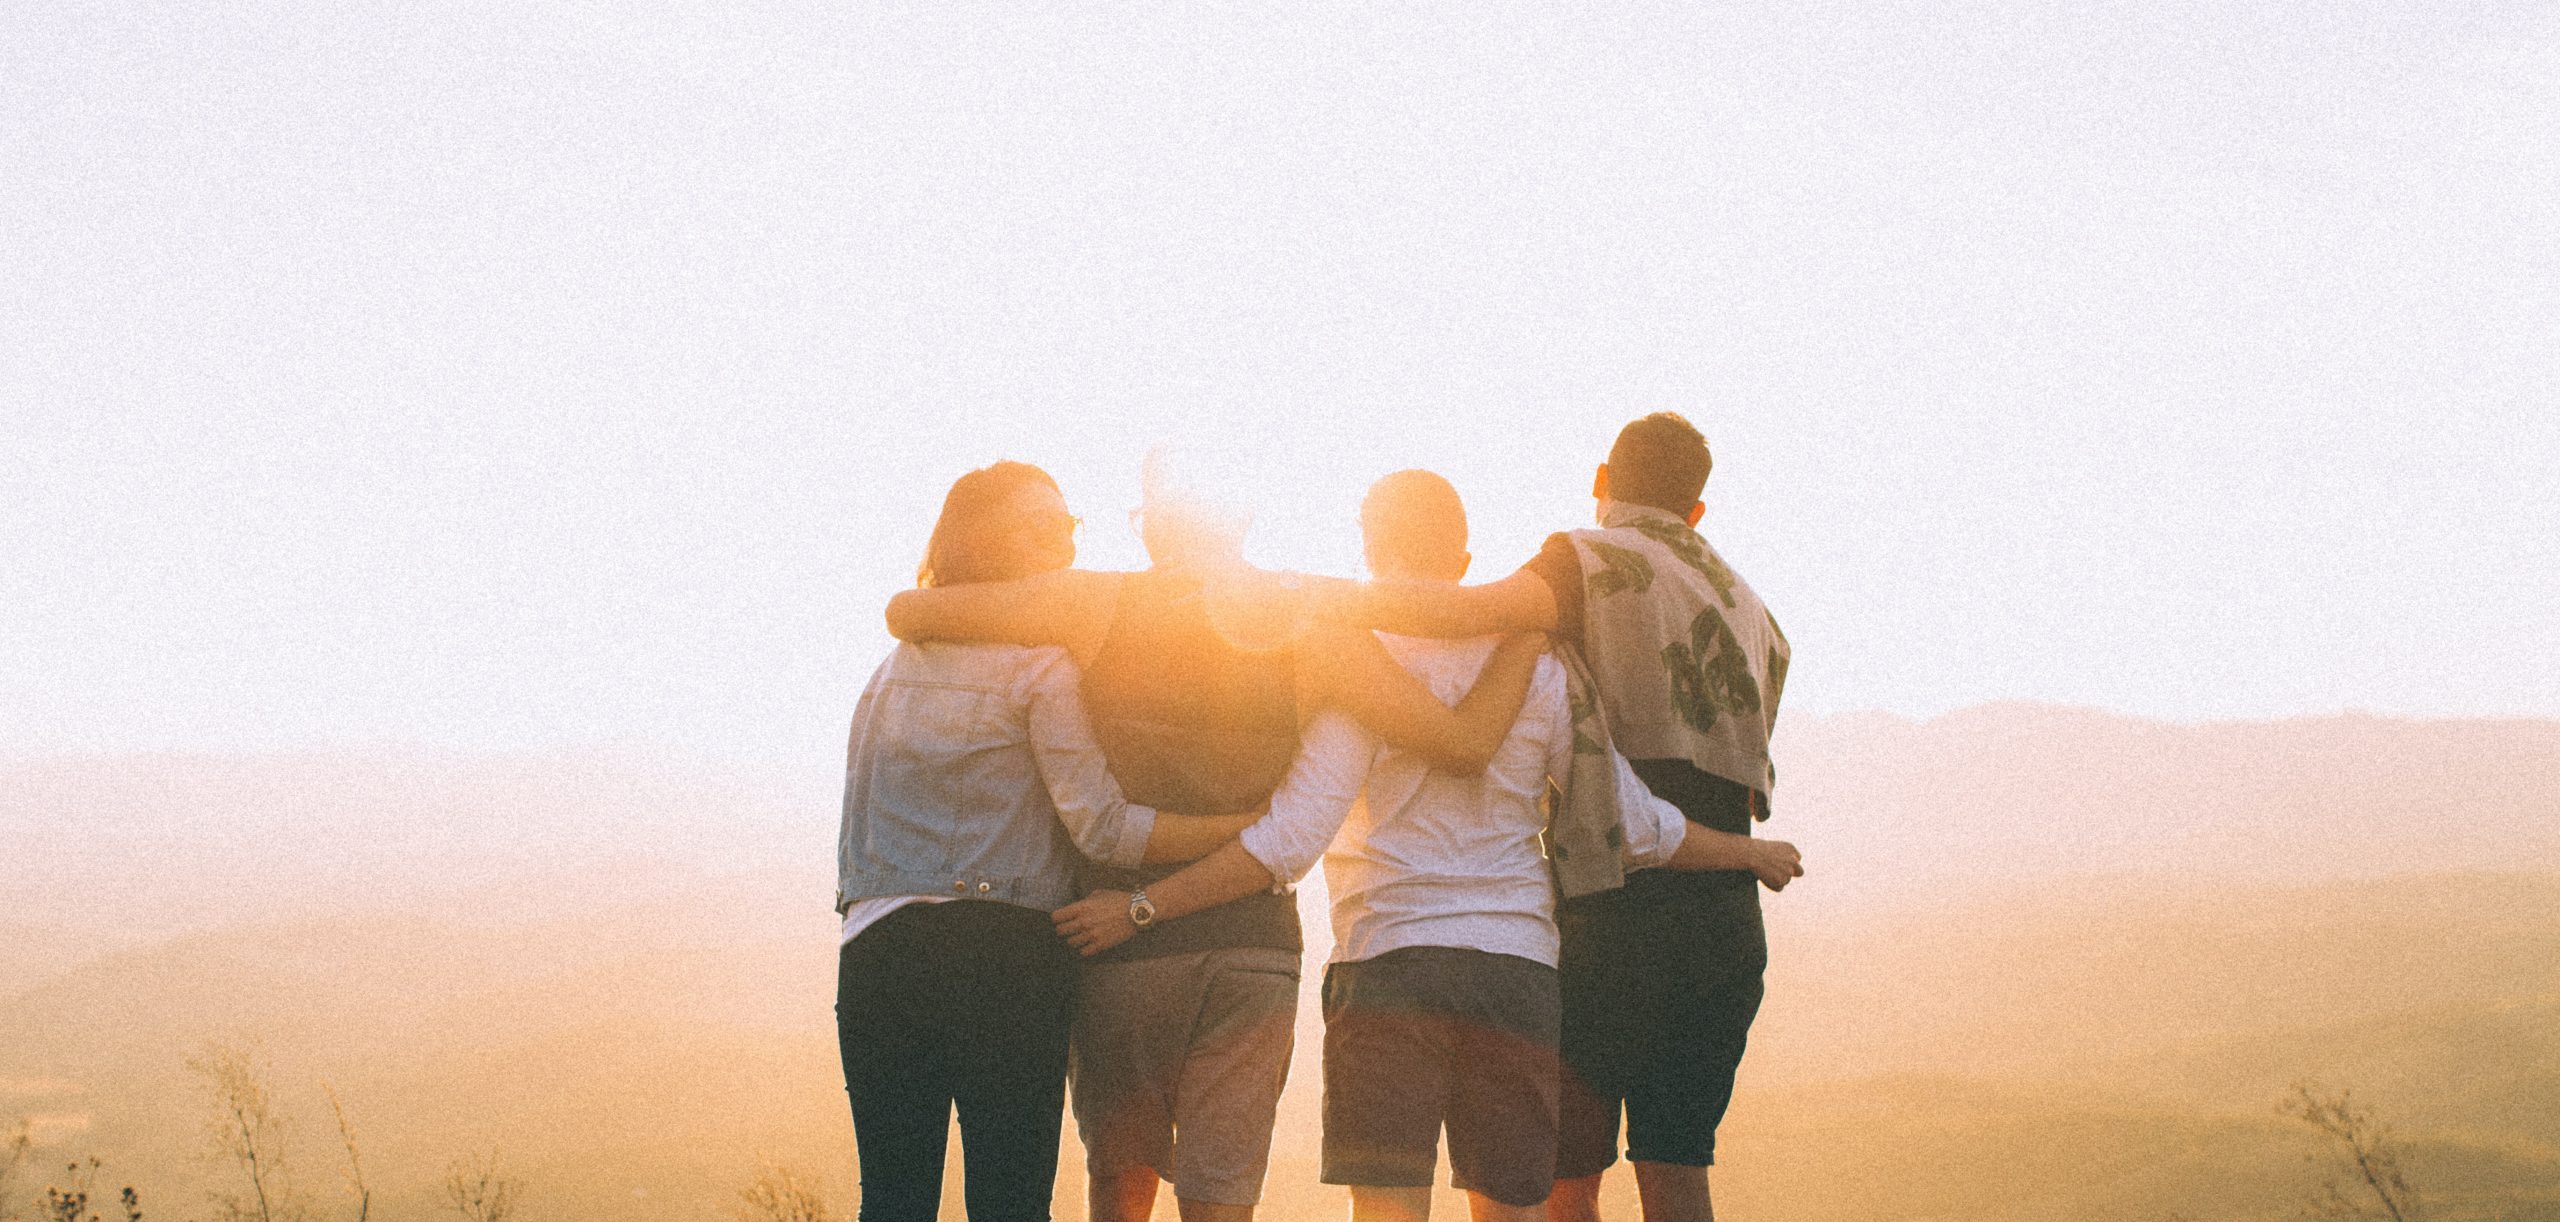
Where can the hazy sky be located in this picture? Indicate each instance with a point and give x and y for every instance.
(498, 375)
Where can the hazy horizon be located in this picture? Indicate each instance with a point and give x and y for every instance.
(2075, 957)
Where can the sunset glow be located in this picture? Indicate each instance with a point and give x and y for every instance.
(458, 459)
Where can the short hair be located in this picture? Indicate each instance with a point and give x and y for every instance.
(1417, 518)
(1660, 461)
(964, 547)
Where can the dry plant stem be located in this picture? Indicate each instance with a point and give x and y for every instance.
(355, 1165)
(478, 1191)
(72, 1204)
(248, 1132)
(2366, 1148)
(12, 1157)
(780, 1194)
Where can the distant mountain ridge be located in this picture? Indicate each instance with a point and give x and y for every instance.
(1890, 812)
(1894, 811)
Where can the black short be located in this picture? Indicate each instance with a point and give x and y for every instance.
(1427, 1036)
(1661, 981)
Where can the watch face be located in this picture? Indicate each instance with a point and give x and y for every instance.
(1142, 911)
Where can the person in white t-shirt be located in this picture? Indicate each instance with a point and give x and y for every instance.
(1441, 1001)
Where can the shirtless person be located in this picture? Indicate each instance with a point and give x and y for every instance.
(1441, 1005)
(1196, 679)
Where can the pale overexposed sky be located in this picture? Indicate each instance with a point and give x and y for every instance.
(499, 376)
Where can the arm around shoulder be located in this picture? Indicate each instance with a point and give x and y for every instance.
(1348, 669)
(1521, 602)
(1099, 817)
(1068, 607)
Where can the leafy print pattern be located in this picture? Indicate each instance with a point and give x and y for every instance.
(1709, 675)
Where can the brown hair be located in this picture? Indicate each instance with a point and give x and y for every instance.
(1660, 461)
(1416, 517)
(965, 546)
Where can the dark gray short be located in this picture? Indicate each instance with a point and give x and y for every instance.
(1428, 1036)
(1178, 1064)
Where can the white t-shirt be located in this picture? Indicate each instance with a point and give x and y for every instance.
(863, 914)
(1431, 859)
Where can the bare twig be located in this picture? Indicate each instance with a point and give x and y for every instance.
(476, 1189)
(780, 1194)
(13, 1155)
(2366, 1151)
(249, 1133)
(72, 1204)
(355, 1165)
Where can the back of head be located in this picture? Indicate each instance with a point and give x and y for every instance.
(1189, 513)
(978, 537)
(1659, 461)
(1413, 524)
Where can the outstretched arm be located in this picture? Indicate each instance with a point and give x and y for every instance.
(1658, 835)
(1191, 837)
(1068, 607)
(1306, 813)
(1774, 862)
(1101, 921)
(1348, 669)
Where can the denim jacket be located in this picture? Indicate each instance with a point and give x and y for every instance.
(972, 774)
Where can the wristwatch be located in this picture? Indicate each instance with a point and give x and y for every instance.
(1142, 911)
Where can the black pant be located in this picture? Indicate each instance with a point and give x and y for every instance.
(964, 1003)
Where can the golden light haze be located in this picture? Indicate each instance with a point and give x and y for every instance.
(455, 457)
(2075, 989)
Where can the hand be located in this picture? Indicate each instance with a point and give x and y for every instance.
(1776, 862)
(1096, 923)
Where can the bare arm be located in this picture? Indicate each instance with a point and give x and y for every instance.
(1520, 602)
(1658, 835)
(1776, 862)
(1098, 815)
(1306, 813)
(1069, 608)
(1100, 921)
(1348, 669)
(1191, 837)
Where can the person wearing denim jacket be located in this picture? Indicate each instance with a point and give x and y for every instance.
(972, 783)
(997, 735)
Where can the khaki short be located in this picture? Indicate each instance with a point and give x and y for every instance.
(1178, 1063)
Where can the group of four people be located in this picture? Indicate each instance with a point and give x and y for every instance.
(1075, 802)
